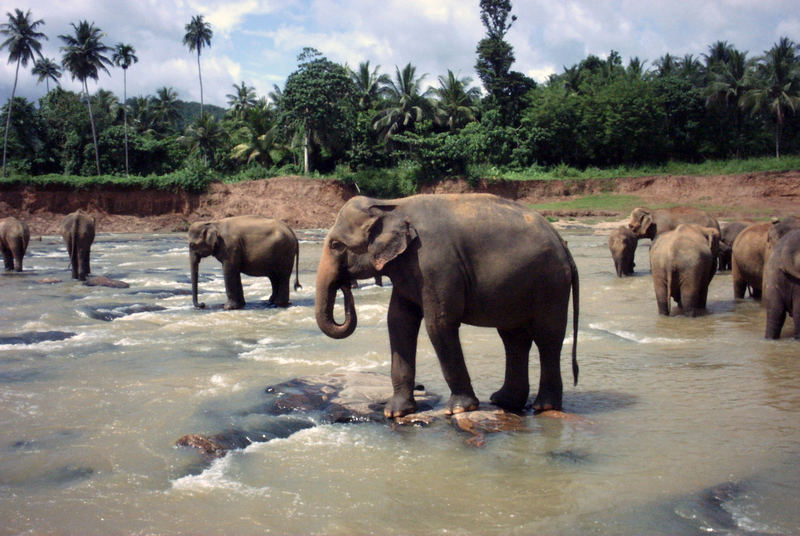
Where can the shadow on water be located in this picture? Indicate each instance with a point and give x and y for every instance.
(593, 402)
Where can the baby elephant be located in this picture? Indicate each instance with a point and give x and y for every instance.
(249, 245)
(782, 285)
(14, 238)
(622, 244)
(683, 261)
(77, 229)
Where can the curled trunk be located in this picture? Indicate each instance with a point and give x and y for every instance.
(328, 283)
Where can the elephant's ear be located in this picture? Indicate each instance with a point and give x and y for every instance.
(389, 236)
(790, 257)
(211, 237)
(647, 226)
(712, 235)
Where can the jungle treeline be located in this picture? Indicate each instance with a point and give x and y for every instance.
(391, 130)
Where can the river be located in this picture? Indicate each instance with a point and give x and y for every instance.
(687, 425)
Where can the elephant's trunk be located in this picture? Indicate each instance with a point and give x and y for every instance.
(194, 260)
(328, 283)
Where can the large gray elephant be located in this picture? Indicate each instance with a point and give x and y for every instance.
(250, 245)
(748, 256)
(776, 231)
(77, 229)
(683, 261)
(728, 234)
(456, 259)
(622, 243)
(647, 223)
(782, 285)
(14, 239)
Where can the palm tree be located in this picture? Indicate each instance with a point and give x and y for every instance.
(242, 99)
(142, 112)
(46, 69)
(728, 78)
(775, 85)
(23, 43)
(457, 103)
(84, 56)
(408, 103)
(164, 108)
(636, 68)
(666, 65)
(261, 148)
(369, 84)
(198, 35)
(124, 56)
(205, 136)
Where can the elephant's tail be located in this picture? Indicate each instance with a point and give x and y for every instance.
(669, 289)
(575, 314)
(297, 284)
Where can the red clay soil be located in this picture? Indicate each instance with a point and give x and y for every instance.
(313, 203)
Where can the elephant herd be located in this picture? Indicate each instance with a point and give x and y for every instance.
(473, 259)
(688, 248)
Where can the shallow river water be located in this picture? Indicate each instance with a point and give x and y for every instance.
(688, 425)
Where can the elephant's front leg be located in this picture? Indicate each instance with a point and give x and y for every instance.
(514, 393)
(551, 388)
(8, 259)
(233, 286)
(444, 338)
(404, 320)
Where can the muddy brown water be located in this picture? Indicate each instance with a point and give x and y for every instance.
(688, 425)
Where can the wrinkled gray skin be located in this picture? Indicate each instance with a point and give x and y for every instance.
(14, 238)
(683, 261)
(647, 223)
(456, 259)
(622, 244)
(748, 256)
(77, 229)
(782, 285)
(728, 234)
(250, 245)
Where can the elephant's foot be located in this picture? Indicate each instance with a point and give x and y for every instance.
(230, 305)
(399, 406)
(460, 404)
(509, 400)
(546, 401)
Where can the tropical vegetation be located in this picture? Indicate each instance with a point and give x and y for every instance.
(390, 131)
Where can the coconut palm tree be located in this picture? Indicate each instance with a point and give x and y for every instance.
(369, 84)
(84, 56)
(164, 108)
(205, 136)
(728, 78)
(456, 103)
(142, 113)
(408, 104)
(46, 69)
(124, 56)
(23, 43)
(198, 35)
(775, 85)
(242, 99)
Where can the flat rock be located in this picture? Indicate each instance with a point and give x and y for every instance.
(103, 281)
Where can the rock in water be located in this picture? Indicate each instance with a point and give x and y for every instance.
(103, 281)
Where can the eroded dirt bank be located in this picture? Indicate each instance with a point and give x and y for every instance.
(314, 203)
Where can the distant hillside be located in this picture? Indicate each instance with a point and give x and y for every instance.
(189, 111)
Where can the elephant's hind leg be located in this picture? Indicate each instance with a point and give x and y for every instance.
(280, 291)
(550, 385)
(8, 259)
(514, 393)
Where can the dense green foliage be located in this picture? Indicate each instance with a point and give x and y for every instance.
(390, 135)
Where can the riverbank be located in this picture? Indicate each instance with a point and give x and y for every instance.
(313, 203)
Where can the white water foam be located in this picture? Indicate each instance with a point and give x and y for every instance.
(635, 337)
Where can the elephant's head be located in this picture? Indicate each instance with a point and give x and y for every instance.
(779, 228)
(367, 235)
(642, 223)
(203, 241)
(788, 261)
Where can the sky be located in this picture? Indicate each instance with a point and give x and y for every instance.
(257, 41)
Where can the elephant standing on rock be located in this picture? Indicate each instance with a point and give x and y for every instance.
(77, 229)
(14, 239)
(456, 259)
(748, 256)
(782, 285)
(683, 261)
(727, 235)
(250, 245)
(647, 223)
(622, 243)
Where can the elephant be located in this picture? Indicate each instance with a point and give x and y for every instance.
(622, 243)
(728, 234)
(14, 239)
(456, 259)
(779, 228)
(647, 223)
(748, 256)
(683, 261)
(78, 232)
(782, 285)
(250, 245)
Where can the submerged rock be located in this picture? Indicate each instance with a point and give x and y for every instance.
(103, 281)
(47, 281)
(33, 337)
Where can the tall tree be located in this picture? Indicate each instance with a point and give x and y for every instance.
(164, 108)
(23, 43)
(198, 35)
(776, 85)
(369, 84)
(456, 102)
(407, 103)
(124, 56)
(242, 99)
(728, 77)
(505, 88)
(46, 69)
(83, 55)
(205, 136)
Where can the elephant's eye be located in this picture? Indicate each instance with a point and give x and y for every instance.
(336, 246)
